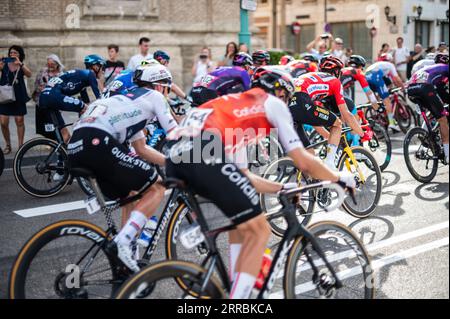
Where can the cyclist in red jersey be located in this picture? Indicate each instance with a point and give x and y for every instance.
(306, 105)
(210, 155)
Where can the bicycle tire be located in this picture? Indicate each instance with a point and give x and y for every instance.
(404, 116)
(382, 135)
(19, 159)
(429, 145)
(38, 242)
(85, 186)
(348, 205)
(329, 228)
(150, 275)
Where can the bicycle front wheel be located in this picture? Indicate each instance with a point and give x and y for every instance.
(66, 260)
(307, 276)
(381, 146)
(368, 176)
(160, 281)
(420, 155)
(40, 168)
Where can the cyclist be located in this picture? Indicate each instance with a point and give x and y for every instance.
(428, 87)
(57, 95)
(307, 108)
(429, 60)
(164, 58)
(98, 145)
(261, 58)
(310, 57)
(286, 59)
(210, 130)
(376, 74)
(300, 67)
(224, 80)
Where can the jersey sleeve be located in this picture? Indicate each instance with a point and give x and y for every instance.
(161, 110)
(279, 116)
(361, 78)
(94, 84)
(392, 70)
(338, 91)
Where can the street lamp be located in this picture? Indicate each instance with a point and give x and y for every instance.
(441, 21)
(387, 12)
(410, 19)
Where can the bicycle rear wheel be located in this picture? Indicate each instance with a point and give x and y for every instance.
(160, 281)
(404, 116)
(66, 260)
(40, 168)
(368, 176)
(420, 155)
(381, 146)
(307, 277)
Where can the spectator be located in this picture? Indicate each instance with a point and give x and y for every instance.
(348, 54)
(321, 45)
(231, 51)
(401, 58)
(431, 49)
(202, 64)
(338, 51)
(113, 66)
(18, 108)
(53, 69)
(443, 48)
(136, 60)
(385, 48)
(415, 56)
(243, 48)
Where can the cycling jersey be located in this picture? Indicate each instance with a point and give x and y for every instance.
(436, 75)
(387, 68)
(422, 64)
(300, 67)
(253, 112)
(125, 116)
(222, 81)
(120, 85)
(350, 75)
(320, 85)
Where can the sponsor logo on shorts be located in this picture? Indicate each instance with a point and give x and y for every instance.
(130, 160)
(232, 173)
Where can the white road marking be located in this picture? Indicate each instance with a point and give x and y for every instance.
(376, 264)
(56, 209)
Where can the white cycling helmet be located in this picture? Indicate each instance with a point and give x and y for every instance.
(430, 56)
(150, 74)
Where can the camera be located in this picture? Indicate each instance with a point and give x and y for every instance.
(203, 56)
(8, 60)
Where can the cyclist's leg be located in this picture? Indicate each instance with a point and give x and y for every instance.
(355, 138)
(334, 124)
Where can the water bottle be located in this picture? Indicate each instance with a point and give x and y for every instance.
(147, 232)
(265, 268)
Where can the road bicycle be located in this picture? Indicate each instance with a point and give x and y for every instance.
(81, 251)
(325, 260)
(403, 113)
(423, 148)
(356, 160)
(41, 166)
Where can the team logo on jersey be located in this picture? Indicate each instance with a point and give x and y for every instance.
(207, 80)
(317, 87)
(248, 111)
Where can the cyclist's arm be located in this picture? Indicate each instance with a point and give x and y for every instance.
(398, 81)
(262, 186)
(366, 88)
(178, 91)
(147, 153)
(350, 119)
(162, 111)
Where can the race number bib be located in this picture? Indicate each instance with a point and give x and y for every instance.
(192, 124)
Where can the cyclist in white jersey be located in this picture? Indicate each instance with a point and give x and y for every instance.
(98, 145)
(429, 60)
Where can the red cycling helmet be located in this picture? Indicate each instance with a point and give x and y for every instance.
(332, 65)
(285, 60)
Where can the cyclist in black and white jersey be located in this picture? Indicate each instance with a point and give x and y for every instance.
(98, 145)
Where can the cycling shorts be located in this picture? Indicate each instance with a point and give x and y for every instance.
(57, 101)
(118, 171)
(305, 111)
(214, 177)
(332, 105)
(427, 97)
(377, 83)
(200, 95)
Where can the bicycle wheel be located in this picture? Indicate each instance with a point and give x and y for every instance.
(2, 162)
(284, 171)
(420, 155)
(404, 116)
(85, 186)
(40, 168)
(307, 277)
(261, 155)
(368, 176)
(65, 260)
(381, 146)
(162, 277)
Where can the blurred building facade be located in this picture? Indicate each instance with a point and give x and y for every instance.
(75, 28)
(362, 24)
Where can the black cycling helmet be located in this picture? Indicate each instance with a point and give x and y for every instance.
(331, 65)
(243, 59)
(261, 57)
(94, 59)
(310, 57)
(357, 61)
(272, 79)
(441, 58)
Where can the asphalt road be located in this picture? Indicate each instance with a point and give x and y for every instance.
(407, 236)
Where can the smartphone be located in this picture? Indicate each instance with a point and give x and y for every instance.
(8, 60)
(203, 57)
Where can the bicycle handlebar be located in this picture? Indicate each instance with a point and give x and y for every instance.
(395, 90)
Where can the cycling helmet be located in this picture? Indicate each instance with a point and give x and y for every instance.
(162, 57)
(272, 79)
(261, 57)
(430, 56)
(441, 58)
(93, 59)
(285, 60)
(386, 57)
(243, 59)
(331, 65)
(310, 57)
(151, 74)
(357, 61)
